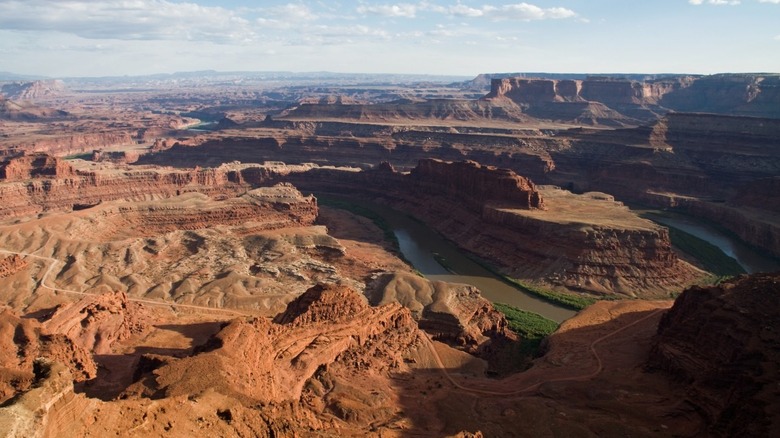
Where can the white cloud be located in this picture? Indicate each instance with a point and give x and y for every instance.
(292, 12)
(405, 10)
(465, 11)
(285, 16)
(525, 11)
(126, 20)
(722, 2)
(517, 11)
(322, 34)
(777, 2)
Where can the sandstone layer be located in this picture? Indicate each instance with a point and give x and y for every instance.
(631, 100)
(37, 183)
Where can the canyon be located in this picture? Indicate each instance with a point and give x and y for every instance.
(585, 243)
(173, 262)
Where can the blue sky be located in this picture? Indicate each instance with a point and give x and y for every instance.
(129, 37)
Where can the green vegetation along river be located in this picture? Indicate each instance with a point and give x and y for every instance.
(439, 259)
(750, 260)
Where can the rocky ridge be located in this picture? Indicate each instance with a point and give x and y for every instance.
(296, 365)
(24, 341)
(37, 183)
(453, 313)
(370, 371)
(436, 109)
(721, 343)
(33, 90)
(476, 184)
(634, 100)
(24, 111)
(97, 322)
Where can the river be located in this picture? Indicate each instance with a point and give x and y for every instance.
(747, 257)
(204, 126)
(421, 246)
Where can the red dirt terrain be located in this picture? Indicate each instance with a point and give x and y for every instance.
(154, 282)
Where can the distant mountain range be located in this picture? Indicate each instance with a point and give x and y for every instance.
(7, 76)
(237, 77)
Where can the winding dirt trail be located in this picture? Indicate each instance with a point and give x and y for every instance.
(53, 262)
(532, 387)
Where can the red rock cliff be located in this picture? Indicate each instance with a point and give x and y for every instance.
(476, 183)
(521, 90)
(722, 342)
(28, 193)
(605, 90)
(34, 166)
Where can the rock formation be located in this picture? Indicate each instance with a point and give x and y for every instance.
(579, 242)
(25, 111)
(476, 184)
(34, 166)
(643, 99)
(119, 157)
(721, 343)
(368, 371)
(324, 332)
(36, 183)
(454, 111)
(29, 416)
(11, 265)
(745, 94)
(594, 100)
(71, 335)
(456, 314)
(96, 322)
(23, 342)
(33, 90)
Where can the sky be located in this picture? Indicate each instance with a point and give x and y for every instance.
(62, 38)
